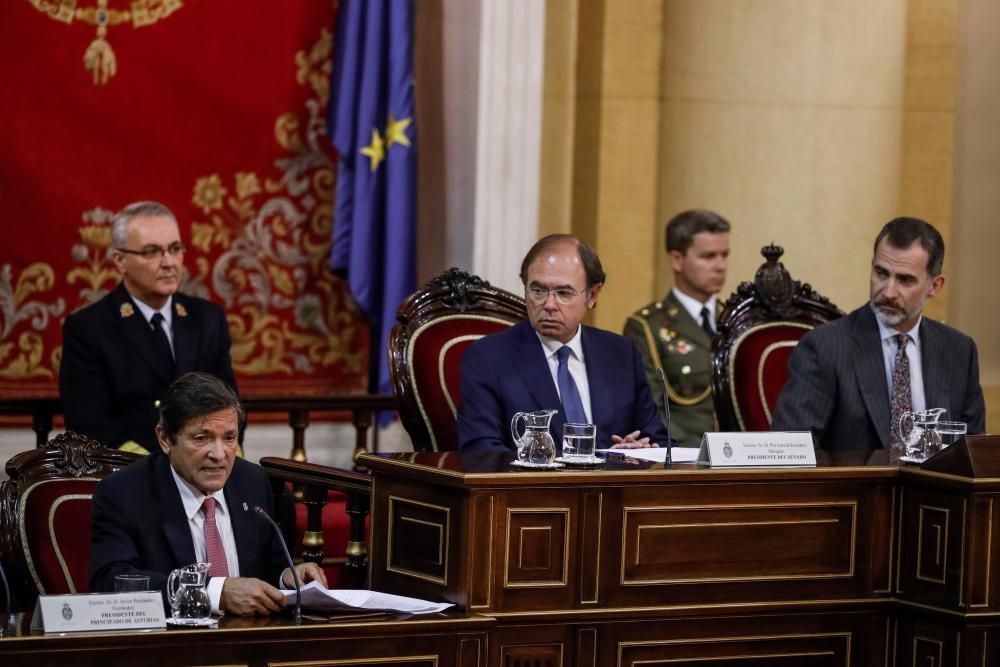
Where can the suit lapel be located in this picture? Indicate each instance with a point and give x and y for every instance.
(185, 336)
(933, 353)
(135, 329)
(599, 379)
(686, 326)
(173, 519)
(533, 368)
(241, 517)
(870, 371)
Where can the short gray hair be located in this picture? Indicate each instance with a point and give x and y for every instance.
(119, 223)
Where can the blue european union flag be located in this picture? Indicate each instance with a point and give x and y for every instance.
(371, 126)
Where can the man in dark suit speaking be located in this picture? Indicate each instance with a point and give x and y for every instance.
(851, 380)
(194, 504)
(551, 361)
(122, 352)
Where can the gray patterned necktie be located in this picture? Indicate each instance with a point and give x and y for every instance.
(901, 398)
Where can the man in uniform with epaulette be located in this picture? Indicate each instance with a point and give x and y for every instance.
(675, 333)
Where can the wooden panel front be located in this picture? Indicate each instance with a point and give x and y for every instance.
(932, 548)
(693, 544)
(685, 545)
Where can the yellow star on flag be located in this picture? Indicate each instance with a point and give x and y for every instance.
(375, 150)
(395, 132)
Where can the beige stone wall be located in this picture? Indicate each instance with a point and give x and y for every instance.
(808, 123)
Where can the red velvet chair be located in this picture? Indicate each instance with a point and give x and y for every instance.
(45, 514)
(760, 325)
(436, 324)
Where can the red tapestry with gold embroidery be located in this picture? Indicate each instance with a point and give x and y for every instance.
(216, 108)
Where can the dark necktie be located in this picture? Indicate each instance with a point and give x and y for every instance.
(901, 398)
(706, 322)
(215, 552)
(572, 405)
(162, 343)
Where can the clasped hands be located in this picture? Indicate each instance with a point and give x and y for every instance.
(631, 441)
(246, 596)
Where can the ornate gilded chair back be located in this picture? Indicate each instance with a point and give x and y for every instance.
(45, 514)
(435, 326)
(760, 325)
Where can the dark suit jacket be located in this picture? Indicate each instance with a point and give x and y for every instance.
(109, 378)
(837, 386)
(505, 373)
(139, 525)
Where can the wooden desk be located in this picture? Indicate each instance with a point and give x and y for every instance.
(635, 564)
(446, 640)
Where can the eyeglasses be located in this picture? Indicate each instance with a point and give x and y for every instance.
(152, 252)
(564, 295)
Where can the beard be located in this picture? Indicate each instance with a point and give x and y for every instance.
(889, 314)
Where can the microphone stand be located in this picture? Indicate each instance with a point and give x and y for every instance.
(288, 558)
(666, 406)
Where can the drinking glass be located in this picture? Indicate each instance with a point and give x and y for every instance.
(127, 583)
(578, 441)
(951, 432)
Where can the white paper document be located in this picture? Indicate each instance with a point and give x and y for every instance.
(316, 596)
(658, 454)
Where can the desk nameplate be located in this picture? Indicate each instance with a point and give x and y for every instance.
(757, 449)
(99, 611)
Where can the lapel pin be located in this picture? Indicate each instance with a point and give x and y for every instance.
(126, 310)
(180, 309)
(245, 508)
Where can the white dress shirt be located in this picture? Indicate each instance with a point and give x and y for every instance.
(193, 499)
(889, 348)
(693, 306)
(576, 363)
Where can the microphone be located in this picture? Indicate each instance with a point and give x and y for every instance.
(666, 406)
(288, 558)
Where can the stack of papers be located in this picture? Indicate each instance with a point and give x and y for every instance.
(317, 597)
(657, 454)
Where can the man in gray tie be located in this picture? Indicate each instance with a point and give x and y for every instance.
(850, 380)
(551, 361)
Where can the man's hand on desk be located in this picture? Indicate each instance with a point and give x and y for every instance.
(631, 441)
(246, 596)
(307, 572)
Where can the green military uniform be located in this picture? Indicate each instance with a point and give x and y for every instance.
(669, 338)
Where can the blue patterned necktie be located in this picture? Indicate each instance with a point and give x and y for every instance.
(572, 405)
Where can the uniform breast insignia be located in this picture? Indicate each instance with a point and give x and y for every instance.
(683, 347)
(666, 335)
(126, 310)
(672, 311)
(180, 310)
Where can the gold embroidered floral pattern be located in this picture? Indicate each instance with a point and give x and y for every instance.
(24, 359)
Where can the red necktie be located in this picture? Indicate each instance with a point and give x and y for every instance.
(214, 551)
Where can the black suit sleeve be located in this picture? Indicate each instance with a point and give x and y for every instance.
(87, 398)
(808, 399)
(973, 404)
(115, 545)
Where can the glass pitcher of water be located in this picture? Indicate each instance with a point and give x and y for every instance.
(187, 592)
(535, 445)
(919, 434)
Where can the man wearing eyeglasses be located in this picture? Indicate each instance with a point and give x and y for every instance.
(551, 361)
(122, 352)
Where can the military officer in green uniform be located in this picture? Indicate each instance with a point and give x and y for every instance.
(675, 333)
